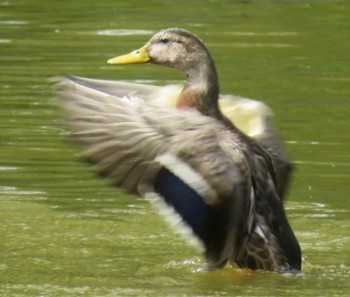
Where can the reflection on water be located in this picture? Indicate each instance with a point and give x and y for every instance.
(65, 232)
(124, 32)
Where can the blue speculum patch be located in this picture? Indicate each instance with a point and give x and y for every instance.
(187, 203)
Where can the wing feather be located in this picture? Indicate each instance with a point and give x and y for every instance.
(124, 137)
(253, 117)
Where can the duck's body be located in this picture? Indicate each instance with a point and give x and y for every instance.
(221, 182)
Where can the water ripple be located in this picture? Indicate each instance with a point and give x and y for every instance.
(123, 32)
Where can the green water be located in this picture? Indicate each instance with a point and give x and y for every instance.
(65, 232)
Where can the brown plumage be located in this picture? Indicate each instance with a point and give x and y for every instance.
(221, 182)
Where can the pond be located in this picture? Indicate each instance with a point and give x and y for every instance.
(66, 232)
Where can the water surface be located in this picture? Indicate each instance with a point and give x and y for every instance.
(65, 232)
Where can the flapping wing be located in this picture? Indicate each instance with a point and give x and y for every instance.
(253, 117)
(125, 137)
(176, 154)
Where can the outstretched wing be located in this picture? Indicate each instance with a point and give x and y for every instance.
(176, 154)
(252, 117)
(124, 137)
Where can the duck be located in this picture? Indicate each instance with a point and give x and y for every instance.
(224, 186)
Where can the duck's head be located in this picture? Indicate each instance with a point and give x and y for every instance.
(179, 49)
(173, 47)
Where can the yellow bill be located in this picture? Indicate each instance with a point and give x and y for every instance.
(135, 57)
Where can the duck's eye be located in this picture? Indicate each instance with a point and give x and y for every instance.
(164, 40)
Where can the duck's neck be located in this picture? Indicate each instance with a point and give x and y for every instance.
(201, 90)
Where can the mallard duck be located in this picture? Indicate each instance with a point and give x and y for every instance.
(220, 182)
